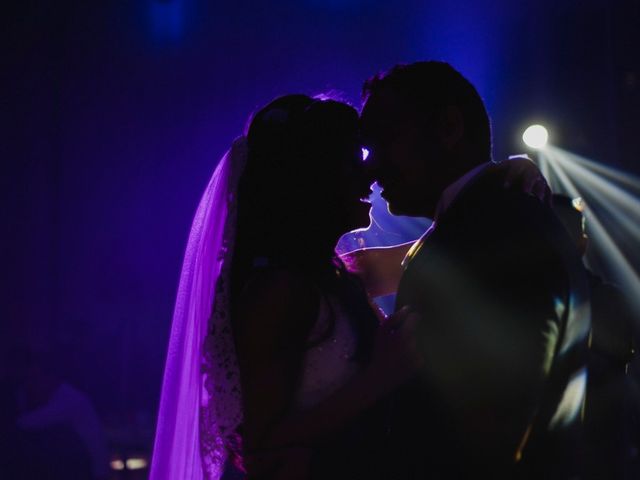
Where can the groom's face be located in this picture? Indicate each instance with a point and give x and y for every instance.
(401, 149)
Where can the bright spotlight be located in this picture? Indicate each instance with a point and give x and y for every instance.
(365, 154)
(136, 463)
(535, 136)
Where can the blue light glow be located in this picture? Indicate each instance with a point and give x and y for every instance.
(167, 18)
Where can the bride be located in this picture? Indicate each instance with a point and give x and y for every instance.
(277, 359)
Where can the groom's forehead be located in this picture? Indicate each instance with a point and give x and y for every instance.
(382, 110)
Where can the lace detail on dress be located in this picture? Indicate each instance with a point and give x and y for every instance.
(330, 364)
(221, 405)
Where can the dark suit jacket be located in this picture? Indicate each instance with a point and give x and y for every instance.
(505, 314)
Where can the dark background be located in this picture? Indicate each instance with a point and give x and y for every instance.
(114, 114)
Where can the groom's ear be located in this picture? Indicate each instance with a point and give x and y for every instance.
(451, 126)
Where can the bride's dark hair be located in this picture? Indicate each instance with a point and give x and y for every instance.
(289, 212)
(287, 203)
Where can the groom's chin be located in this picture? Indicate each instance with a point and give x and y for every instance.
(400, 210)
(396, 209)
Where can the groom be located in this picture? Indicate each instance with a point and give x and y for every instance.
(504, 306)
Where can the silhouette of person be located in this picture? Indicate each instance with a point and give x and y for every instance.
(57, 432)
(303, 326)
(497, 284)
(291, 329)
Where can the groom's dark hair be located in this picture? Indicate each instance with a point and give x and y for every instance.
(427, 87)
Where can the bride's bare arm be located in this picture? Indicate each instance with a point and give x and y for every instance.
(394, 361)
(274, 315)
(379, 268)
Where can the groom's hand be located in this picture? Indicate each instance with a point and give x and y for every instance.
(521, 174)
(395, 356)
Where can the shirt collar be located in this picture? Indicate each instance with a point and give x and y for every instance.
(452, 191)
(446, 199)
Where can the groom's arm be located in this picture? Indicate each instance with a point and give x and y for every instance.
(483, 285)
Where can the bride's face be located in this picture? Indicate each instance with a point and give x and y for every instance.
(353, 189)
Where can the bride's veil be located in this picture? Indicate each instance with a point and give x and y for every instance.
(200, 404)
